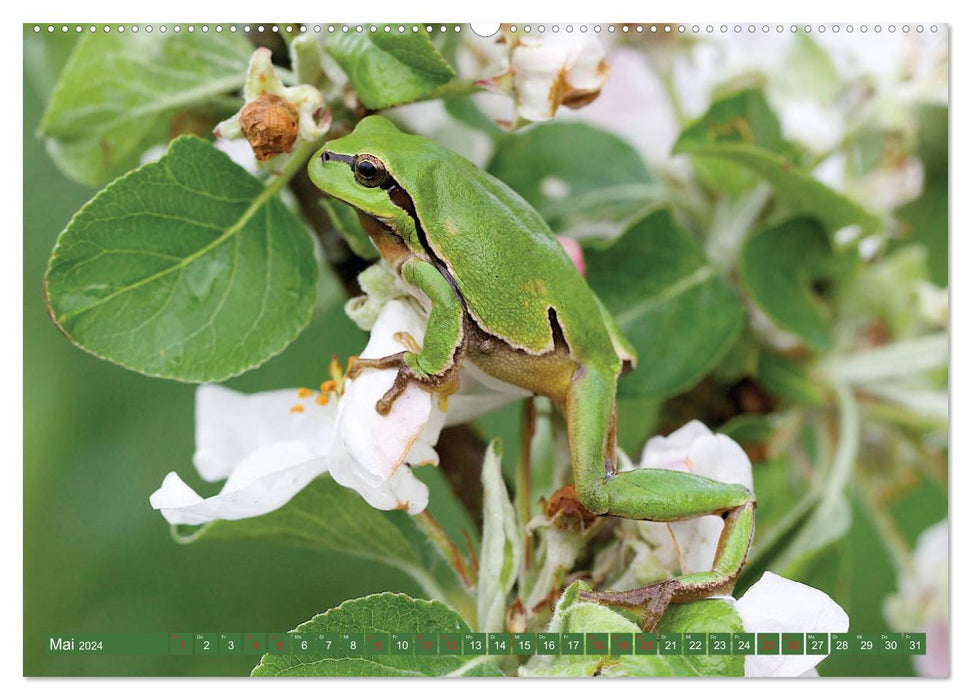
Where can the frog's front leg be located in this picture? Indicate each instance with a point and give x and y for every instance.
(659, 495)
(434, 366)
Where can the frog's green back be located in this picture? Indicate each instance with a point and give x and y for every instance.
(506, 261)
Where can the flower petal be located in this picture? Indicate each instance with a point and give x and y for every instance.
(478, 395)
(264, 481)
(661, 452)
(378, 444)
(720, 458)
(776, 604)
(230, 425)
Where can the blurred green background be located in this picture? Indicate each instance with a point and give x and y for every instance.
(98, 440)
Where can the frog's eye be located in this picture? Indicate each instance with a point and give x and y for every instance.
(369, 171)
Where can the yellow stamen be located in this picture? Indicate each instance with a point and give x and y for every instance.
(304, 392)
(328, 386)
(296, 409)
(335, 368)
(322, 399)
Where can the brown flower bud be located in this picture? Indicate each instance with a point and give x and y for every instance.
(270, 125)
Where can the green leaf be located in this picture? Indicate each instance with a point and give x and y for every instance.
(388, 69)
(670, 303)
(119, 94)
(466, 111)
(702, 616)
(382, 612)
(575, 615)
(578, 177)
(188, 268)
(740, 117)
(344, 219)
(778, 266)
(797, 189)
(323, 516)
(502, 546)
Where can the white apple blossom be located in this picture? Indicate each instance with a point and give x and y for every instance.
(267, 451)
(776, 604)
(270, 445)
(692, 448)
(544, 72)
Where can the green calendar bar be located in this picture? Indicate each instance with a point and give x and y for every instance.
(891, 644)
(915, 643)
(597, 643)
(548, 643)
(500, 643)
(475, 644)
(369, 644)
(81, 644)
(645, 644)
(377, 644)
(621, 643)
(450, 644)
(817, 643)
(301, 643)
(402, 644)
(572, 644)
(695, 643)
(670, 643)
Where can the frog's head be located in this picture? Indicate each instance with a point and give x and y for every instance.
(360, 169)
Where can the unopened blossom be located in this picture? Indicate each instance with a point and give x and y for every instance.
(275, 119)
(544, 73)
(693, 448)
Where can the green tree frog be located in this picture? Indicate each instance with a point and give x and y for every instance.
(502, 294)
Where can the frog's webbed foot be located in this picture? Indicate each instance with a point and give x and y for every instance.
(409, 372)
(649, 602)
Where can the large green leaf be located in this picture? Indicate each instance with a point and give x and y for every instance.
(578, 177)
(382, 612)
(797, 189)
(187, 268)
(324, 516)
(778, 266)
(388, 69)
(702, 616)
(119, 94)
(670, 303)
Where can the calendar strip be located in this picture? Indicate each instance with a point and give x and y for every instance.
(367, 644)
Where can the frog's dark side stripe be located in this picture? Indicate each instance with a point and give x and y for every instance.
(402, 200)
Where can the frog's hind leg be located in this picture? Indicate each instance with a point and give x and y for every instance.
(659, 495)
